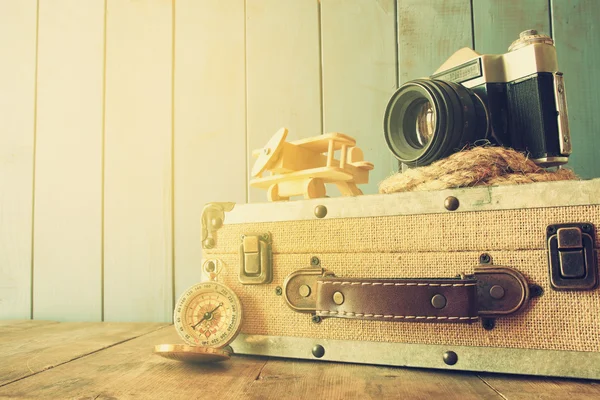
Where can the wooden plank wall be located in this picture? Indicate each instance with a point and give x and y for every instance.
(576, 28)
(18, 48)
(138, 239)
(359, 76)
(210, 139)
(282, 72)
(119, 119)
(68, 162)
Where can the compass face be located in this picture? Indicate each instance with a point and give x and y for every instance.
(208, 314)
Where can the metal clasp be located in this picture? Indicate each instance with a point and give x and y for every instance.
(213, 216)
(564, 134)
(572, 257)
(256, 266)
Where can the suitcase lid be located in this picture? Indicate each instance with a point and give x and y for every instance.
(484, 198)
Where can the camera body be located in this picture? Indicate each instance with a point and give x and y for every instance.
(513, 100)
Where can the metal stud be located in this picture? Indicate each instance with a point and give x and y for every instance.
(210, 266)
(338, 298)
(314, 261)
(451, 203)
(438, 301)
(586, 227)
(488, 323)
(535, 290)
(304, 290)
(318, 351)
(320, 211)
(485, 258)
(450, 358)
(497, 292)
(278, 291)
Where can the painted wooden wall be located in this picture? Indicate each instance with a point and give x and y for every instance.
(119, 119)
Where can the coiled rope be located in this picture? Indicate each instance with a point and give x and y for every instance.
(486, 165)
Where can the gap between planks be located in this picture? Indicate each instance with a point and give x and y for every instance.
(536, 387)
(290, 379)
(491, 387)
(33, 373)
(259, 375)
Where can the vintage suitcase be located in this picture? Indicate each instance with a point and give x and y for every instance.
(500, 279)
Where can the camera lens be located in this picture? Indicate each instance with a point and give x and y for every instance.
(427, 120)
(424, 118)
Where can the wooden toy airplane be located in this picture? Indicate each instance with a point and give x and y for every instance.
(303, 167)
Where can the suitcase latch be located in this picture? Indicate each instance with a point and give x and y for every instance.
(572, 257)
(256, 265)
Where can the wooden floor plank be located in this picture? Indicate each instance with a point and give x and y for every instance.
(6, 322)
(93, 368)
(27, 352)
(535, 387)
(21, 324)
(291, 379)
(131, 370)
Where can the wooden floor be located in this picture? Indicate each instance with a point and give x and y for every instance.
(51, 360)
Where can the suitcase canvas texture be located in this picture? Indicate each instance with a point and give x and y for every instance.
(386, 255)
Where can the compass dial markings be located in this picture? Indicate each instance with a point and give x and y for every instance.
(208, 315)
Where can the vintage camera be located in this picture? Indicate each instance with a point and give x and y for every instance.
(514, 100)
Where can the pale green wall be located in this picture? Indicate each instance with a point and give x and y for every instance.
(431, 30)
(119, 119)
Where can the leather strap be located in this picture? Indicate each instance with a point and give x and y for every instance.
(423, 300)
(491, 292)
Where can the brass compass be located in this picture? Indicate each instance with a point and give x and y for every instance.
(207, 317)
(208, 314)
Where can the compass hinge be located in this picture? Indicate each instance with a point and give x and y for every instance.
(256, 265)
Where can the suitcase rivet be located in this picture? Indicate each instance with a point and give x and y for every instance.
(304, 290)
(535, 291)
(278, 291)
(451, 203)
(320, 211)
(450, 358)
(488, 323)
(316, 319)
(338, 298)
(485, 258)
(210, 266)
(497, 292)
(586, 227)
(438, 301)
(318, 351)
(315, 261)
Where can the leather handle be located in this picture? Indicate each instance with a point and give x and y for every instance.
(424, 300)
(492, 291)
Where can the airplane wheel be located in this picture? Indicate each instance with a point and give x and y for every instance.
(314, 188)
(273, 194)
